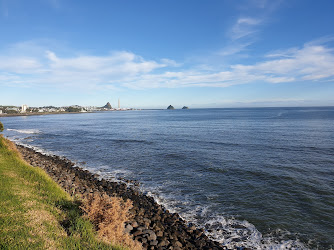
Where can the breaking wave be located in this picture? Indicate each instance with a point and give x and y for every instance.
(230, 232)
(25, 131)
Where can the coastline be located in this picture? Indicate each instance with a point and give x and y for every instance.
(58, 113)
(152, 225)
(44, 113)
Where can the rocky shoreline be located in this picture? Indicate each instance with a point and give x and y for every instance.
(152, 225)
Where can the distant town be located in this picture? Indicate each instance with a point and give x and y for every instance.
(25, 109)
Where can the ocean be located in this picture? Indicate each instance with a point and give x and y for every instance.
(254, 177)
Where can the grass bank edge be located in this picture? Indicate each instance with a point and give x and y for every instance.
(35, 212)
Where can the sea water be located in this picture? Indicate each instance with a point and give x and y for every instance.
(255, 177)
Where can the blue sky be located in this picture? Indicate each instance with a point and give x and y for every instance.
(216, 53)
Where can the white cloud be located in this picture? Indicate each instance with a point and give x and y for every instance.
(254, 14)
(169, 62)
(122, 69)
(51, 56)
(248, 21)
(122, 61)
(241, 35)
(282, 53)
(244, 27)
(86, 71)
(309, 62)
(234, 49)
(19, 65)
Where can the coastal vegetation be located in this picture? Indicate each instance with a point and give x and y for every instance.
(36, 213)
(109, 214)
(73, 109)
(1, 127)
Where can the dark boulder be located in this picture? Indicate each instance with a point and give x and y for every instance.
(107, 106)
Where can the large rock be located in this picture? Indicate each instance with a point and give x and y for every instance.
(107, 106)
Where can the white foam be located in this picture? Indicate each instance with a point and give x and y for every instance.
(35, 148)
(25, 131)
(233, 233)
(230, 232)
(114, 175)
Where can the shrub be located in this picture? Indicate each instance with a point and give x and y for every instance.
(108, 215)
(10, 111)
(1, 127)
(73, 109)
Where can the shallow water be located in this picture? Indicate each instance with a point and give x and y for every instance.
(261, 177)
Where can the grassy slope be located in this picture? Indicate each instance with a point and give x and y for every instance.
(35, 212)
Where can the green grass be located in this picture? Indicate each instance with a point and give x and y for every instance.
(35, 213)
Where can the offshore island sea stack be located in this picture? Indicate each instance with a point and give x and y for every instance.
(172, 107)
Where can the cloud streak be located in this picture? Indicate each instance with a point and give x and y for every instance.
(254, 15)
(244, 27)
(122, 69)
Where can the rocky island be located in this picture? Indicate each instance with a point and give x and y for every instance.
(170, 107)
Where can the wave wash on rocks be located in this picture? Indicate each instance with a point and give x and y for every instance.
(151, 224)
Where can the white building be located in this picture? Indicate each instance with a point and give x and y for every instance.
(0, 111)
(24, 108)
